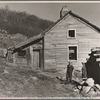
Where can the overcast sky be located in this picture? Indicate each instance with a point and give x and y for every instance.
(50, 11)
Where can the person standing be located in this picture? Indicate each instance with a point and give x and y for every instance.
(69, 72)
(84, 71)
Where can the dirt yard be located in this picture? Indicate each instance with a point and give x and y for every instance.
(24, 82)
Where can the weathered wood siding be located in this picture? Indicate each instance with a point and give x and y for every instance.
(20, 61)
(29, 58)
(56, 43)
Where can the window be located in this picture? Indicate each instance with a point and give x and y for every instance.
(22, 53)
(72, 52)
(71, 33)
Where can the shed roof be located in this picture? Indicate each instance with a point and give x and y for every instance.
(41, 35)
(26, 43)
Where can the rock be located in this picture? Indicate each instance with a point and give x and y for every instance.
(90, 82)
(5, 71)
(98, 86)
(79, 87)
(86, 89)
(34, 78)
(76, 90)
(91, 93)
(96, 89)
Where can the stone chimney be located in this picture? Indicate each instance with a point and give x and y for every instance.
(63, 11)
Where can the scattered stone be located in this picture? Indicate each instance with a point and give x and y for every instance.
(98, 86)
(91, 93)
(34, 78)
(79, 87)
(90, 82)
(96, 89)
(76, 90)
(86, 89)
(6, 72)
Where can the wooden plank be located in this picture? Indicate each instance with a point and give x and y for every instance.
(56, 42)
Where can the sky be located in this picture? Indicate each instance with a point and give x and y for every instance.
(51, 11)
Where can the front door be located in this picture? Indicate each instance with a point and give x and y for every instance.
(36, 61)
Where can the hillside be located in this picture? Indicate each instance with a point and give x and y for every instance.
(7, 41)
(12, 22)
(24, 82)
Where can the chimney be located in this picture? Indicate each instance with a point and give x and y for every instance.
(64, 11)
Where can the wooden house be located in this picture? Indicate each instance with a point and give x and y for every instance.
(69, 39)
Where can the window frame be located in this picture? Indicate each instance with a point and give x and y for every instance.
(21, 56)
(68, 34)
(76, 50)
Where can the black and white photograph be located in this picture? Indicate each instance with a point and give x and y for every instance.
(49, 49)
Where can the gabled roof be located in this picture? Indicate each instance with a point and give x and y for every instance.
(77, 17)
(41, 35)
(86, 21)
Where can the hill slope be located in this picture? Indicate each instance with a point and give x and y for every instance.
(21, 22)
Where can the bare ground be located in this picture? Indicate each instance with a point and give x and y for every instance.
(24, 82)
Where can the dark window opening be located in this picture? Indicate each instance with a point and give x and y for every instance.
(73, 53)
(22, 53)
(71, 33)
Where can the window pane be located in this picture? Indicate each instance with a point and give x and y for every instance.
(71, 33)
(73, 53)
(22, 53)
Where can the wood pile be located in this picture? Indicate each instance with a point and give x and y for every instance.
(93, 65)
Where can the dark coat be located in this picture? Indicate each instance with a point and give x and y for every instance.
(70, 69)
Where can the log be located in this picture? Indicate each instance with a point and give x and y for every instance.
(95, 49)
(97, 55)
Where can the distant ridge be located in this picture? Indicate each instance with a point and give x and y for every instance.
(13, 22)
